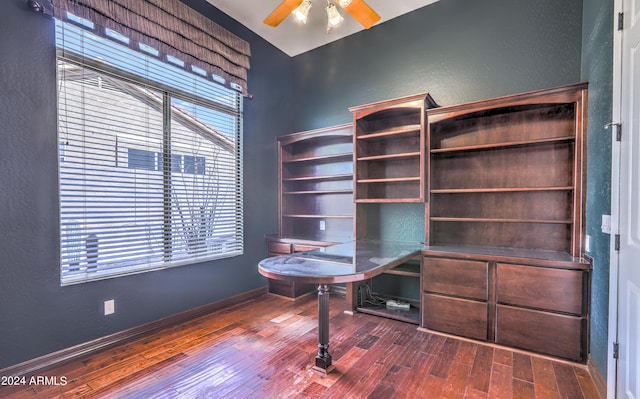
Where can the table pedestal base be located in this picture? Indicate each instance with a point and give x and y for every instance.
(323, 358)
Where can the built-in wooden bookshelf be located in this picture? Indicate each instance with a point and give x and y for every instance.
(389, 149)
(315, 189)
(496, 185)
(506, 202)
(316, 184)
(508, 172)
(389, 157)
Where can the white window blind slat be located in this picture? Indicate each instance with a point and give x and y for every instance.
(133, 197)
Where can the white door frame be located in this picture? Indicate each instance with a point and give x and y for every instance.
(614, 264)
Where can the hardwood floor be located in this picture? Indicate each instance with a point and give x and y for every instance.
(264, 348)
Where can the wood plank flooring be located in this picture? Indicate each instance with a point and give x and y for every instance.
(264, 348)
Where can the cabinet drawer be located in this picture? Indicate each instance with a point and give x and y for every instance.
(278, 247)
(454, 315)
(284, 288)
(463, 278)
(304, 247)
(557, 290)
(542, 332)
(289, 289)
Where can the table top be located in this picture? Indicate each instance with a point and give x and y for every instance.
(341, 263)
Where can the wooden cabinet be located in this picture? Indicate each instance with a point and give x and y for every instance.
(557, 290)
(315, 190)
(316, 184)
(553, 334)
(505, 222)
(389, 167)
(497, 186)
(462, 278)
(277, 245)
(492, 295)
(508, 172)
(459, 316)
(389, 150)
(455, 296)
(542, 309)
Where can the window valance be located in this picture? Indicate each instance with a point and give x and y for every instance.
(170, 27)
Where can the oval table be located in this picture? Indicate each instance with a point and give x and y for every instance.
(342, 263)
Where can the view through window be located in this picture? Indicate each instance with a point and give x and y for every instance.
(150, 160)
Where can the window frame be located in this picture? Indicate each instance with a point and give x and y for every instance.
(169, 93)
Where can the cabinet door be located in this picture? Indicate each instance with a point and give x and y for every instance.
(289, 289)
(462, 278)
(543, 332)
(541, 288)
(455, 316)
(278, 248)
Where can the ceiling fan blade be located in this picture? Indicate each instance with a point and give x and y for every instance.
(362, 13)
(281, 12)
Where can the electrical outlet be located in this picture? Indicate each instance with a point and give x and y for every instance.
(323, 225)
(606, 224)
(587, 243)
(109, 307)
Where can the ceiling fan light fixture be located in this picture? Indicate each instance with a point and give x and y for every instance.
(302, 11)
(333, 16)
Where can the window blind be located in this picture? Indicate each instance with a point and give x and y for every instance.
(150, 160)
(171, 29)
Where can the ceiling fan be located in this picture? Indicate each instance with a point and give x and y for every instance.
(358, 9)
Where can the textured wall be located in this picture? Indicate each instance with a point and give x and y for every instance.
(37, 316)
(457, 50)
(597, 68)
(462, 51)
(396, 222)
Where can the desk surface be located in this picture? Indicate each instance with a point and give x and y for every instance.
(341, 263)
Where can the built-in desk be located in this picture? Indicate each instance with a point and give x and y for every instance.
(342, 263)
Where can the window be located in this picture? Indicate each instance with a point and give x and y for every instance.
(150, 160)
(142, 159)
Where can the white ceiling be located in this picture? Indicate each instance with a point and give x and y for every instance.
(295, 38)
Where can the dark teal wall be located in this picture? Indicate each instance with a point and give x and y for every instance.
(457, 50)
(461, 51)
(597, 68)
(37, 316)
(395, 222)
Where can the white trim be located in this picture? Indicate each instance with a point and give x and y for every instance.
(612, 366)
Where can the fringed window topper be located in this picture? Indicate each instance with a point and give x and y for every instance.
(167, 29)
